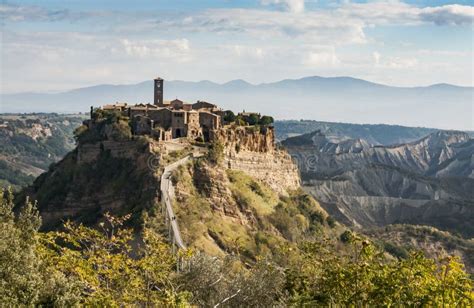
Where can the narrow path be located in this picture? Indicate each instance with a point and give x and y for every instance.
(166, 187)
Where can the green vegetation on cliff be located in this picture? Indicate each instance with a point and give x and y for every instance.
(107, 125)
(31, 142)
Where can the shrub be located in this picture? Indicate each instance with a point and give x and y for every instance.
(229, 116)
(265, 120)
(216, 152)
(346, 236)
(331, 221)
(253, 119)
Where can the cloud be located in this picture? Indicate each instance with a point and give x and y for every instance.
(448, 15)
(394, 62)
(399, 13)
(295, 6)
(177, 50)
(320, 56)
(18, 13)
(315, 27)
(222, 44)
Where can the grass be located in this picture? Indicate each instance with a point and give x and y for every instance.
(249, 192)
(255, 228)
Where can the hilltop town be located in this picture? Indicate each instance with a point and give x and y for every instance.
(167, 120)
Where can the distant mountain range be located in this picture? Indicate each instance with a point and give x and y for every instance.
(374, 134)
(428, 181)
(340, 99)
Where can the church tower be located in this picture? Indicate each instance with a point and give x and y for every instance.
(158, 90)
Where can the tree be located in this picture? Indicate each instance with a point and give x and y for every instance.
(266, 120)
(365, 277)
(19, 273)
(229, 116)
(253, 119)
(101, 260)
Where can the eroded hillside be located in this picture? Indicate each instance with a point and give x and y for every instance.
(424, 182)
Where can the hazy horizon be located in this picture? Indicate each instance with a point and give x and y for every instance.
(241, 79)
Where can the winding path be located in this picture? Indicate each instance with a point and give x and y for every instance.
(166, 193)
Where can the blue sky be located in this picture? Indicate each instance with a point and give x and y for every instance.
(58, 45)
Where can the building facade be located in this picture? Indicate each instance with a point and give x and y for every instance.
(167, 120)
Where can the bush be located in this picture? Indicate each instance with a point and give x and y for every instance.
(346, 236)
(266, 120)
(229, 116)
(331, 221)
(216, 152)
(253, 119)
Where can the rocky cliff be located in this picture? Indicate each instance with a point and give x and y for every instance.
(252, 150)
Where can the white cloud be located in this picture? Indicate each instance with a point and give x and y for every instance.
(399, 13)
(318, 57)
(295, 6)
(391, 62)
(17, 13)
(316, 27)
(376, 56)
(177, 50)
(448, 14)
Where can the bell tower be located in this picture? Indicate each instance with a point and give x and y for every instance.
(158, 90)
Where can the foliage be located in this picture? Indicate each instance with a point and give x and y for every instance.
(215, 155)
(20, 279)
(105, 125)
(82, 266)
(101, 260)
(253, 119)
(214, 281)
(229, 116)
(112, 266)
(298, 216)
(80, 180)
(266, 120)
(30, 143)
(365, 277)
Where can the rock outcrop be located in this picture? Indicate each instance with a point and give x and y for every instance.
(259, 139)
(252, 149)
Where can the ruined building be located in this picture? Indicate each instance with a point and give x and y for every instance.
(167, 120)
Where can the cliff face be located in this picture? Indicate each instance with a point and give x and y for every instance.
(247, 138)
(252, 150)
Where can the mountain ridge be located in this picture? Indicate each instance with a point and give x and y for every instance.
(338, 99)
(244, 82)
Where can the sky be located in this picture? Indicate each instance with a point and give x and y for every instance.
(56, 45)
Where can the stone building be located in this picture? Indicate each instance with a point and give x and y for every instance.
(167, 120)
